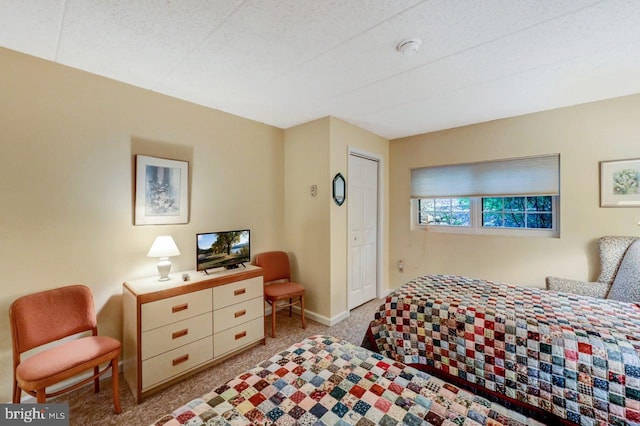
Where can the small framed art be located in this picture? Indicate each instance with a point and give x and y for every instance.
(162, 191)
(619, 183)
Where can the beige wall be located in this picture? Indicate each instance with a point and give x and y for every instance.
(66, 168)
(315, 227)
(306, 218)
(583, 135)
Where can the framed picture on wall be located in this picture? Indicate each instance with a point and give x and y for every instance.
(162, 191)
(619, 183)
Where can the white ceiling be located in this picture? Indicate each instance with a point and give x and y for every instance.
(285, 62)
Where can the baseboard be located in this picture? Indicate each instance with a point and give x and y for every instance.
(317, 317)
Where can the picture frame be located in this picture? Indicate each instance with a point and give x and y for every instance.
(620, 183)
(162, 191)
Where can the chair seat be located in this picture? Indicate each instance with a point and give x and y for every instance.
(283, 290)
(65, 357)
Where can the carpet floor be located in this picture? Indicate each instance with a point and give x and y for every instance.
(88, 408)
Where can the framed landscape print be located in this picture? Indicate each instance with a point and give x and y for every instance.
(162, 191)
(619, 183)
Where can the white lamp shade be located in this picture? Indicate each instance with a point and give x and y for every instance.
(163, 246)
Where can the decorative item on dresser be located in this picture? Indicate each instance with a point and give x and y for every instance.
(174, 328)
(163, 248)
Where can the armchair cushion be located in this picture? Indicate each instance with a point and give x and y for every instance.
(626, 285)
(593, 289)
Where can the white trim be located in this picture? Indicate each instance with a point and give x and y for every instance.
(381, 241)
(315, 316)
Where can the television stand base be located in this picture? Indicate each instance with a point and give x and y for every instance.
(228, 267)
(235, 266)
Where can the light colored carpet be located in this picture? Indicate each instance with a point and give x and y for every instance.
(88, 408)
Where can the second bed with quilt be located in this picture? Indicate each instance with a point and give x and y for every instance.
(574, 356)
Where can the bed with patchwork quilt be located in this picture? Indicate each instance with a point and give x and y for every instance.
(326, 381)
(576, 357)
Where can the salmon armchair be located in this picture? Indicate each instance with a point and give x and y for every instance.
(49, 316)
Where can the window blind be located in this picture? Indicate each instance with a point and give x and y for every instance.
(518, 176)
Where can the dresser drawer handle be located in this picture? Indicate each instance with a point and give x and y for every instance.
(179, 308)
(240, 291)
(180, 333)
(240, 313)
(240, 335)
(180, 360)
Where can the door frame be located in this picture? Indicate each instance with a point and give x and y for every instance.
(380, 228)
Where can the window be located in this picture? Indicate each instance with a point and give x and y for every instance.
(484, 215)
(518, 212)
(511, 197)
(444, 211)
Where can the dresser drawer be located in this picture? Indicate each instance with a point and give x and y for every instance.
(163, 367)
(238, 336)
(237, 292)
(167, 311)
(238, 314)
(171, 336)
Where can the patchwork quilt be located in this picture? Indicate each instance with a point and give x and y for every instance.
(574, 356)
(326, 381)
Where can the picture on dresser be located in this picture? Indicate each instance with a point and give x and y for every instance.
(162, 195)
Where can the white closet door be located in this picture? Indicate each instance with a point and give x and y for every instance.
(362, 201)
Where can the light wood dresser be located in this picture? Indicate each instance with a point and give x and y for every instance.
(175, 328)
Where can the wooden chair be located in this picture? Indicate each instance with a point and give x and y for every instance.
(278, 285)
(48, 316)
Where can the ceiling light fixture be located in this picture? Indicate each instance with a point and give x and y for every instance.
(409, 46)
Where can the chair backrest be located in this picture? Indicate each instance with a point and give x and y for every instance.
(275, 265)
(612, 250)
(47, 316)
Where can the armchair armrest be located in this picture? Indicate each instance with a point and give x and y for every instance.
(583, 288)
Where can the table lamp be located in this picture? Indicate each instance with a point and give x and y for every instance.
(163, 247)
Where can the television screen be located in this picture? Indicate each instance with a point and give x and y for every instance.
(226, 249)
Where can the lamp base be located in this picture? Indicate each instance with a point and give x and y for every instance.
(164, 266)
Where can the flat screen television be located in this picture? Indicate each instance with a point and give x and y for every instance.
(225, 249)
